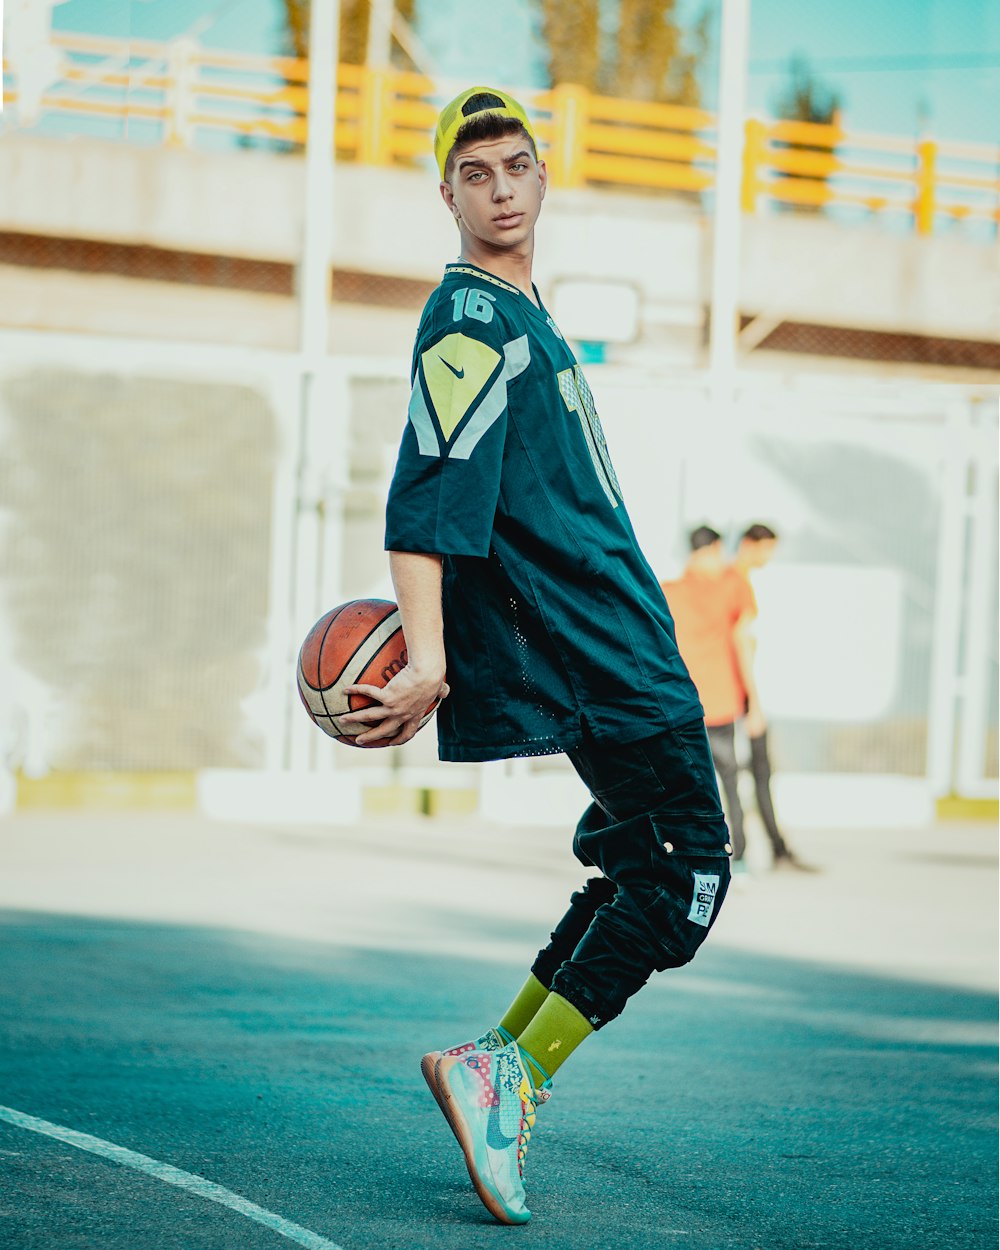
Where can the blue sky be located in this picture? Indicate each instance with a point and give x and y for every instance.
(892, 62)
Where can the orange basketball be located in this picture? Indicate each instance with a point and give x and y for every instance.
(361, 642)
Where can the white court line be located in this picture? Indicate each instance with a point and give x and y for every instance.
(171, 1176)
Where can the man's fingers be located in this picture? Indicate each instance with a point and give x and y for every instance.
(368, 715)
(391, 718)
(393, 732)
(393, 740)
(386, 734)
(373, 692)
(378, 713)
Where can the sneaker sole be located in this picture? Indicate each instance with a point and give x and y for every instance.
(461, 1130)
(428, 1066)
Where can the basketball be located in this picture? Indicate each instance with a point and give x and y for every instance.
(360, 642)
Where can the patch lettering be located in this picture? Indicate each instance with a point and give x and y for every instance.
(706, 888)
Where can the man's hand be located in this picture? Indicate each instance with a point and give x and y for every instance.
(400, 707)
(402, 704)
(755, 723)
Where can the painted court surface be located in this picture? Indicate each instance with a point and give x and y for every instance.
(210, 1036)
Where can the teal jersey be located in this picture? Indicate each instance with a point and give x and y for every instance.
(554, 621)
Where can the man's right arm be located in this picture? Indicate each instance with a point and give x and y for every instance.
(743, 644)
(443, 496)
(416, 579)
(402, 704)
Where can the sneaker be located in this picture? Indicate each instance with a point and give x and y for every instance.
(490, 1102)
(494, 1039)
(791, 861)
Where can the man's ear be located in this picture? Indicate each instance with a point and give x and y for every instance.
(449, 198)
(543, 177)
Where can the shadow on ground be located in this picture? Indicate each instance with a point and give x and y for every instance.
(742, 1102)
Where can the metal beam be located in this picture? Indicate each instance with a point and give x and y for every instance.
(726, 230)
(317, 239)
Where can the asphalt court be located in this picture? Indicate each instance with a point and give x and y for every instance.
(753, 1099)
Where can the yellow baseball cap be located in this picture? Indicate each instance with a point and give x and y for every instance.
(466, 106)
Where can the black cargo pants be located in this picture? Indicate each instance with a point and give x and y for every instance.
(656, 832)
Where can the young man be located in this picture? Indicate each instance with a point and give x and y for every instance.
(757, 546)
(714, 609)
(516, 570)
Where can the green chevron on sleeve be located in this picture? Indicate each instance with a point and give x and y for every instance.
(458, 379)
(517, 356)
(456, 369)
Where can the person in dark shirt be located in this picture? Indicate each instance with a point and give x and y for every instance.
(713, 609)
(517, 571)
(757, 546)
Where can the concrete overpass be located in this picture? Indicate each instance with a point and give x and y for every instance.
(155, 205)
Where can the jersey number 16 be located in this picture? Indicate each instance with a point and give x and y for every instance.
(472, 303)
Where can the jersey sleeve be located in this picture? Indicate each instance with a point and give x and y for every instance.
(445, 487)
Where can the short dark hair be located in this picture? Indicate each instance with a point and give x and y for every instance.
(757, 533)
(485, 126)
(703, 536)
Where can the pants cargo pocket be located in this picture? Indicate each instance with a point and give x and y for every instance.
(690, 858)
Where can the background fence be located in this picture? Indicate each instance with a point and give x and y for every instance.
(184, 95)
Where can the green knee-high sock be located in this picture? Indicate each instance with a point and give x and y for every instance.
(529, 998)
(555, 1031)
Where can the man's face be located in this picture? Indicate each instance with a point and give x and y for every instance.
(759, 553)
(495, 189)
(710, 559)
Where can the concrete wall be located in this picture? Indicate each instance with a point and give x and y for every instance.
(391, 222)
(800, 268)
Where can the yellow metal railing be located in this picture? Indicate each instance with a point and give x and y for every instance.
(183, 94)
(809, 165)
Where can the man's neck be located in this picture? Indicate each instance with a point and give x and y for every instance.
(512, 267)
(708, 570)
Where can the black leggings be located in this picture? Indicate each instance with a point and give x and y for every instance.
(723, 742)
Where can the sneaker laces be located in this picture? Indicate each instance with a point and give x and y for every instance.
(493, 1039)
(531, 1096)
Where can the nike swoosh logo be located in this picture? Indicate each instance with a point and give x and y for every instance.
(496, 1138)
(459, 373)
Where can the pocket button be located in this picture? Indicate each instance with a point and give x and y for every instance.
(729, 848)
(668, 847)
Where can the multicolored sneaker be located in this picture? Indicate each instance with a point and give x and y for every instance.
(494, 1039)
(490, 1103)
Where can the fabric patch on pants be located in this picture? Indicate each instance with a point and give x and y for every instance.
(654, 827)
(706, 890)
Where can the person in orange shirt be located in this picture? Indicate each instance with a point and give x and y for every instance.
(714, 609)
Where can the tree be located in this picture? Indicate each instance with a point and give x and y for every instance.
(354, 16)
(571, 29)
(643, 57)
(806, 99)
